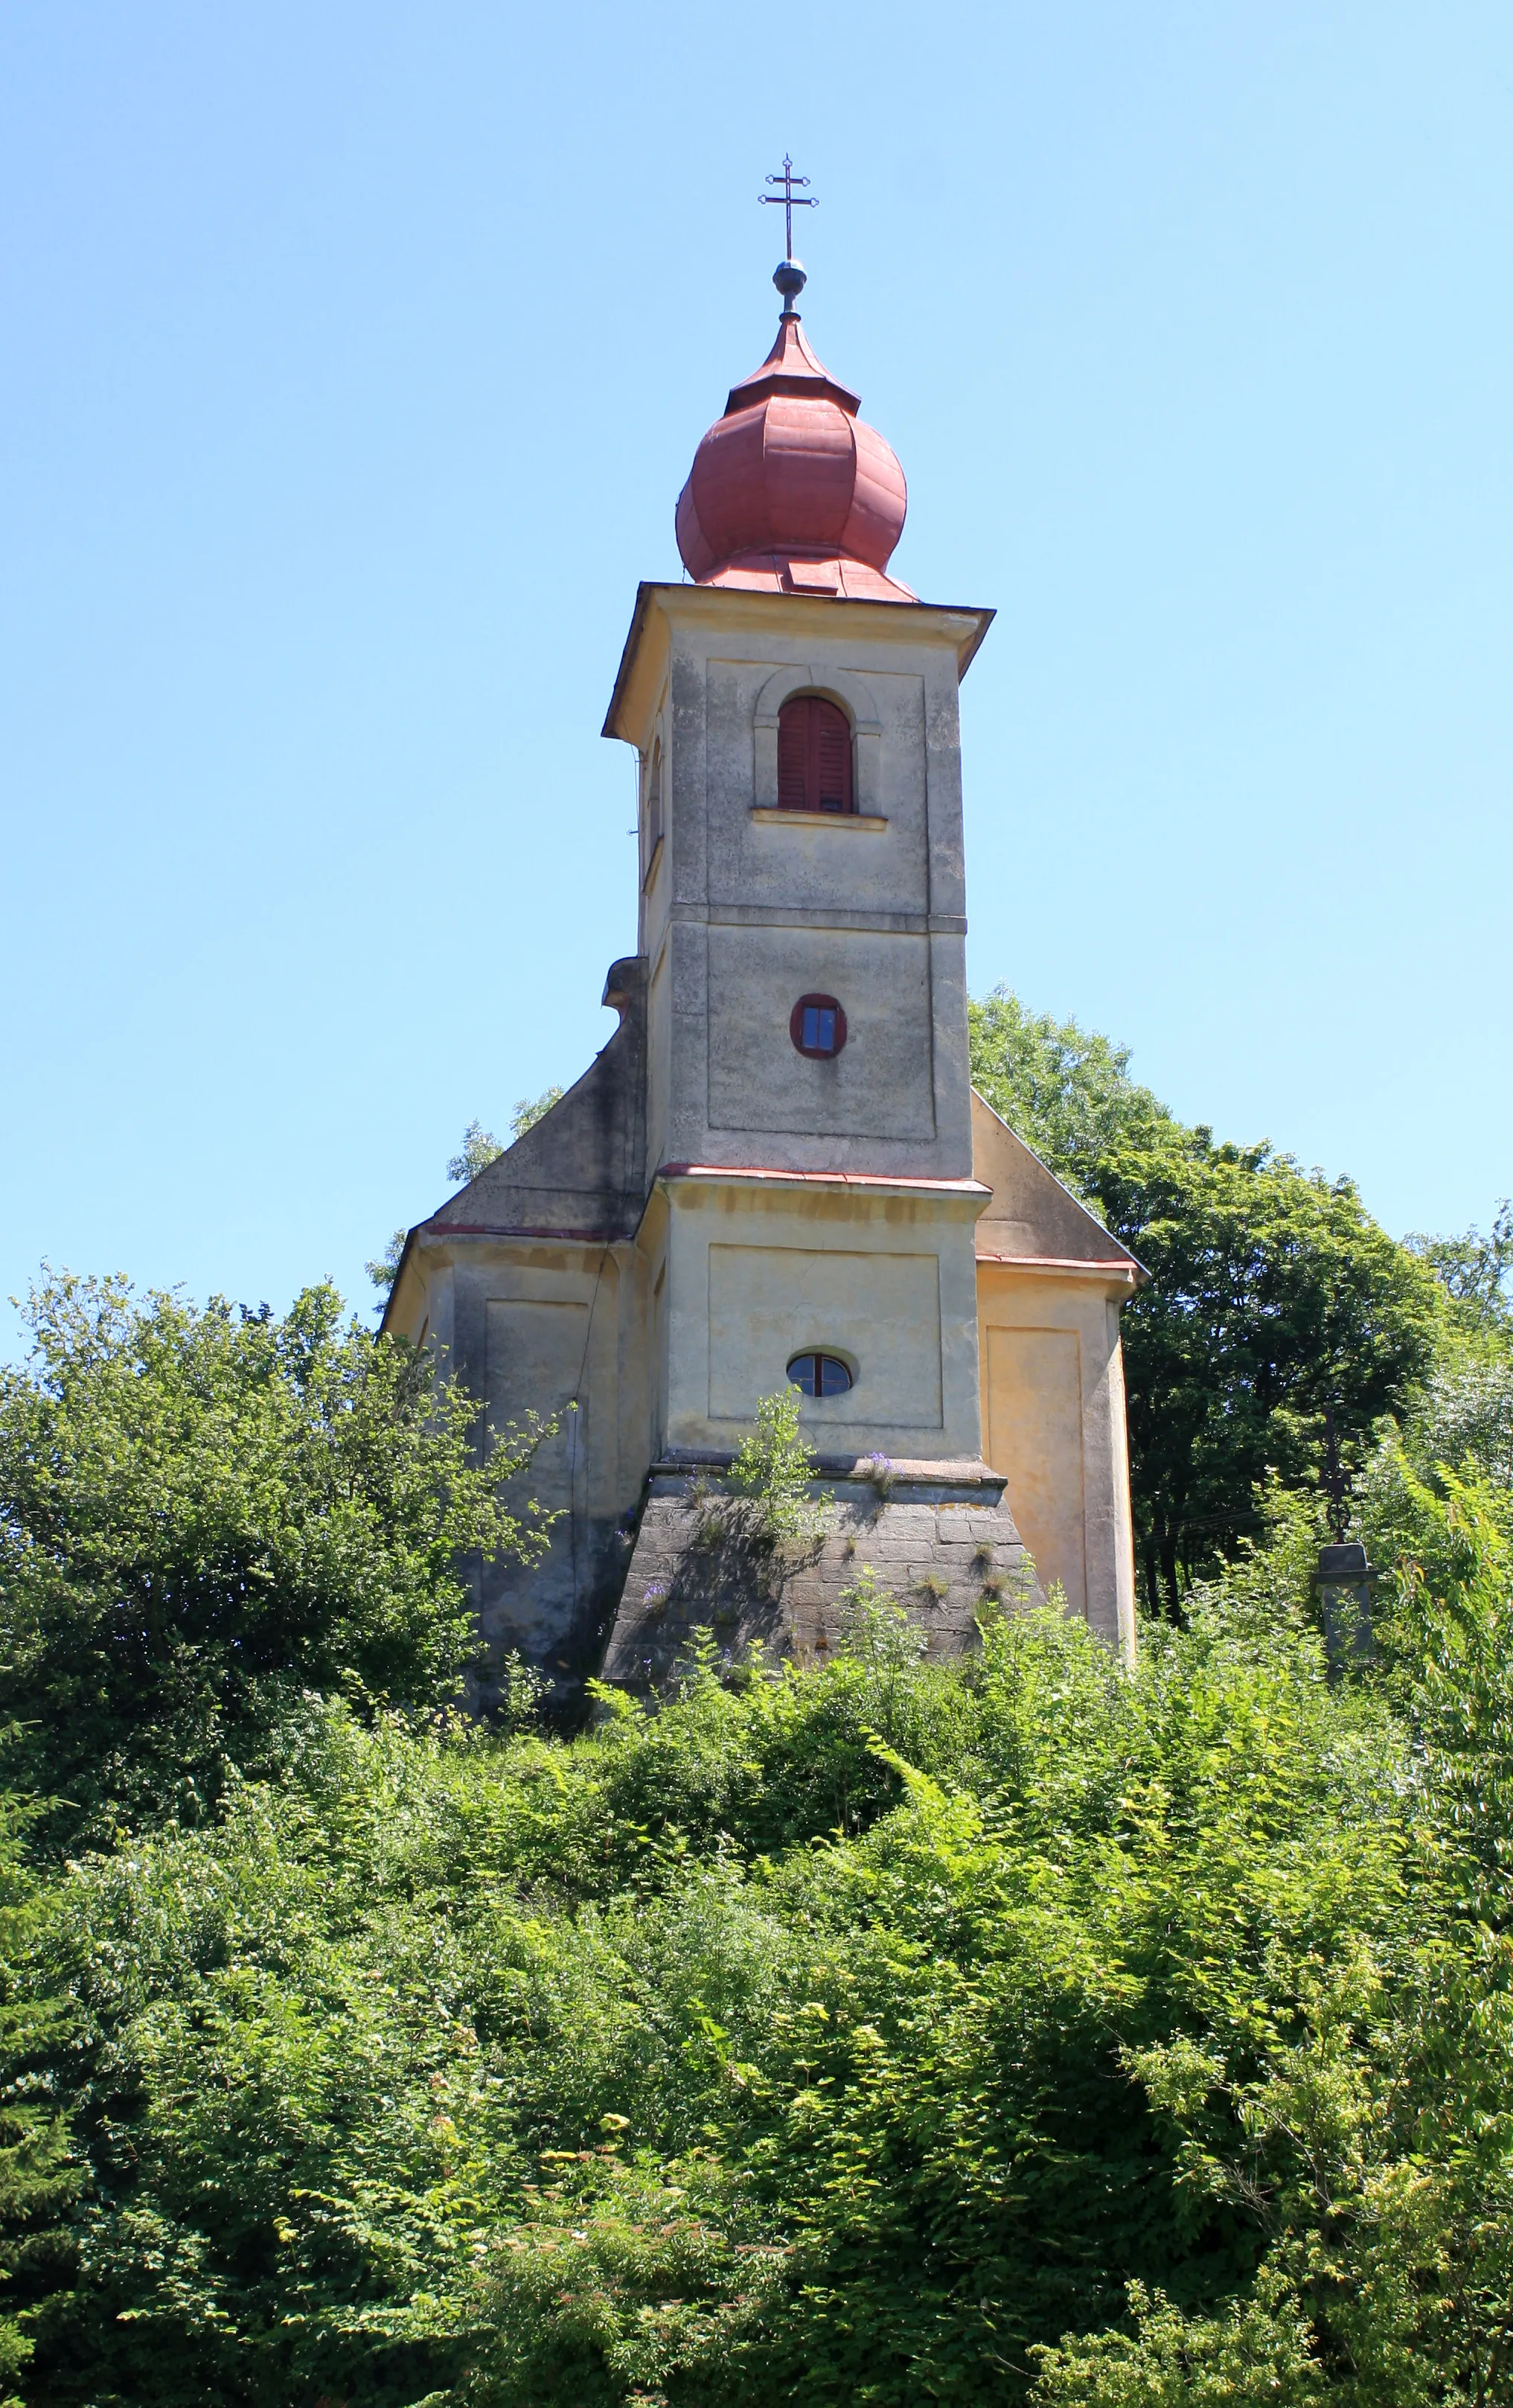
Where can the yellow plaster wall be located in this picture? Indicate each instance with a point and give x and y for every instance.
(880, 1312)
(1054, 1423)
(1032, 1388)
(1050, 1283)
(885, 1279)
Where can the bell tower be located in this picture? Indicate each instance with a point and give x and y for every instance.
(802, 917)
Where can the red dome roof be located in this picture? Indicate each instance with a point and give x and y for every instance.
(790, 491)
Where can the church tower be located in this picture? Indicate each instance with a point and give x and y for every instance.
(776, 1172)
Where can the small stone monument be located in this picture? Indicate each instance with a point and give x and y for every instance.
(1344, 1582)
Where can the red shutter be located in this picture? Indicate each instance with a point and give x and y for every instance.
(814, 756)
(832, 758)
(792, 757)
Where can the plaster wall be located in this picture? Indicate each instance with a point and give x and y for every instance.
(751, 907)
(658, 1048)
(885, 1278)
(654, 777)
(1054, 1425)
(761, 1086)
(706, 1202)
(533, 1326)
(768, 1303)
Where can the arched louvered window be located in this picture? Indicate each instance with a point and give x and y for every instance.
(653, 808)
(814, 756)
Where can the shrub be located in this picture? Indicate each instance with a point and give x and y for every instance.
(205, 1514)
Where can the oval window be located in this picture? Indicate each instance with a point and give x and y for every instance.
(820, 1375)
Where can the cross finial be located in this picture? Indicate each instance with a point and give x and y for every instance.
(1334, 1479)
(787, 200)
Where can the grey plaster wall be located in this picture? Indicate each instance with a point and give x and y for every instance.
(544, 1327)
(556, 1615)
(757, 863)
(878, 1087)
(529, 1282)
(747, 910)
(1032, 1216)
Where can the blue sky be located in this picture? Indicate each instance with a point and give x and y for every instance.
(352, 357)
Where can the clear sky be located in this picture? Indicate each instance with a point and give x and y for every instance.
(351, 357)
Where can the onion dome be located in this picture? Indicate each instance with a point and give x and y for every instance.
(790, 491)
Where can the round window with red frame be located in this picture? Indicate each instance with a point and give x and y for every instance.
(816, 1026)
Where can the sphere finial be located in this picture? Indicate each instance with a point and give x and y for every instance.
(789, 279)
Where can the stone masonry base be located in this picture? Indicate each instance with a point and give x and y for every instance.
(938, 1536)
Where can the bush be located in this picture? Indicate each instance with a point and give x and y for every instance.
(772, 1470)
(203, 1514)
(854, 2033)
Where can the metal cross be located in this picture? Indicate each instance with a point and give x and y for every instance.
(785, 200)
(1333, 1483)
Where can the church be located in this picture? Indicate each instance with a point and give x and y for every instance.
(775, 1172)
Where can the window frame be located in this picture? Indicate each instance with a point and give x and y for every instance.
(818, 1356)
(795, 1028)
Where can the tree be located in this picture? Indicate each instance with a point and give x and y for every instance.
(1274, 1296)
(1474, 1271)
(41, 2173)
(477, 1150)
(1021, 2027)
(1064, 1089)
(203, 1514)
(384, 1269)
(527, 1114)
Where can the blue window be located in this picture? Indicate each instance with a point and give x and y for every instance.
(816, 1026)
(820, 1375)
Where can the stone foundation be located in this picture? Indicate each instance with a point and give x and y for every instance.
(937, 1534)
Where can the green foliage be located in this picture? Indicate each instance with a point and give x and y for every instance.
(874, 1627)
(1473, 1270)
(1259, 2351)
(1465, 1416)
(527, 1112)
(772, 1470)
(477, 1150)
(1024, 2029)
(988, 2030)
(383, 1270)
(40, 2174)
(1377, 2144)
(203, 1514)
(1064, 1089)
(1274, 1295)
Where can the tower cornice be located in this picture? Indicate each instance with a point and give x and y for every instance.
(734, 608)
